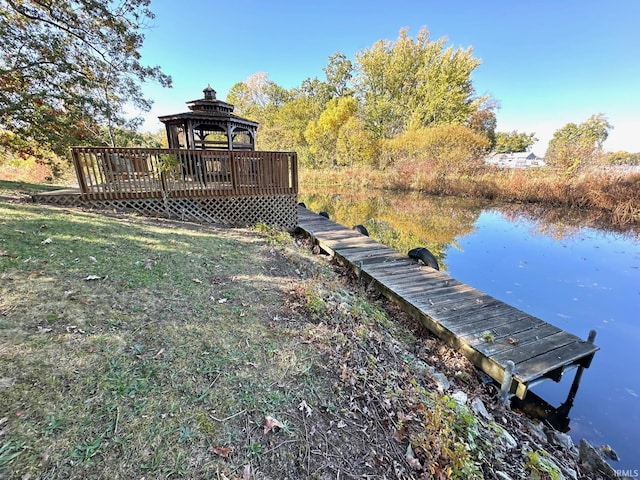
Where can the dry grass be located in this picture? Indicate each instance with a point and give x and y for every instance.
(615, 196)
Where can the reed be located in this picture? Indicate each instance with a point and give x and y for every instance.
(617, 196)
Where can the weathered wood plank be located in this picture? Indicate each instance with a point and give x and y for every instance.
(401, 265)
(534, 368)
(432, 285)
(512, 342)
(536, 348)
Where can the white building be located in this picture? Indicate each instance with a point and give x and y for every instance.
(515, 160)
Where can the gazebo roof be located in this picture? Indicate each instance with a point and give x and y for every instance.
(209, 110)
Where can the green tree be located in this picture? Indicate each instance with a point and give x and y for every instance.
(510, 142)
(414, 83)
(622, 157)
(69, 69)
(260, 100)
(574, 146)
(339, 72)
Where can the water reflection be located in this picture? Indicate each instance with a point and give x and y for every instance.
(402, 222)
(565, 267)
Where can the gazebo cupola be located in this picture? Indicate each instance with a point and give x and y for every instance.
(210, 125)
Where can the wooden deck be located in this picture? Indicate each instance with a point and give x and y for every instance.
(235, 188)
(489, 332)
(143, 173)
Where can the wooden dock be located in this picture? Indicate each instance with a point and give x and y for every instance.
(489, 332)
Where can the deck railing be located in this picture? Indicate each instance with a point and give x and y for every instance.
(128, 173)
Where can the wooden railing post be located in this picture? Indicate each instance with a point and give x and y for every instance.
(82, 180)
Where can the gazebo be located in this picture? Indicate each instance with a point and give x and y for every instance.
(209, 125)
(211, 172)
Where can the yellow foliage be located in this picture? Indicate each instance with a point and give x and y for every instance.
(452, 147)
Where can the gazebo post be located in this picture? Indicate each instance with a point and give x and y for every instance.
(229, 137)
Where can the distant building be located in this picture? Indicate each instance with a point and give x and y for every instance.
(515, 160)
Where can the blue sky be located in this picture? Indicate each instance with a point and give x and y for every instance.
(547, 62)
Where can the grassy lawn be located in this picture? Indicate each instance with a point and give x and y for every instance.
(143, 348)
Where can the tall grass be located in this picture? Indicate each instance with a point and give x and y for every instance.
(617, 196)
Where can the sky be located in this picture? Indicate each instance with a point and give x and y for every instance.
(547, 62)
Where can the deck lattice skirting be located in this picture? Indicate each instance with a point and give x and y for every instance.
(233, 188)
(234, 211)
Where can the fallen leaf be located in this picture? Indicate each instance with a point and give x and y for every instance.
(271, 423)
(92, 277)
(74, 329)
(44, 329)
(197, 280)
(302, 406)
(221, 451)
(46, 241)
(4, 420)
(411, 459)
(399, 434)
(158, 355)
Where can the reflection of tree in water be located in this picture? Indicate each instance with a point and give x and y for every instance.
(401, 221)
(560, 223)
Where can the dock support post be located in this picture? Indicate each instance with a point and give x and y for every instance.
(568, 403)
(505, 388)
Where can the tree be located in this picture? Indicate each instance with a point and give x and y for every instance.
(573, 146)
(483, 118)
(411, 84)
(356, 145)
(514, 142)
(339, 72)
(322, 135)
(68, 70)
(447, 148)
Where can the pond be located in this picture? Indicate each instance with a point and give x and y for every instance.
(563, 267)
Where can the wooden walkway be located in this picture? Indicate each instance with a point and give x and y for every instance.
(489, 332)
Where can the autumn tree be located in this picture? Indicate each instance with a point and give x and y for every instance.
(322, 134)
(511, 142)
(414, 83)
(68, 70)
(447, 148)
(483, 118)
(574, 146)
